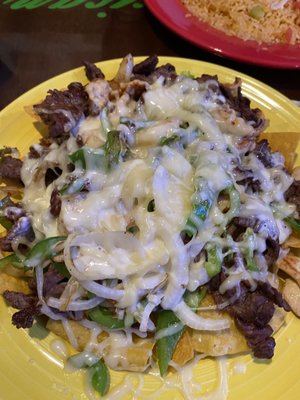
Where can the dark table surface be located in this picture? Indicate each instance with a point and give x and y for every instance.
(42, 41)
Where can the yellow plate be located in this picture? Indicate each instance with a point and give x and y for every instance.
(31, 370)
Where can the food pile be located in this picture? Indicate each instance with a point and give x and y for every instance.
(265, 21)
(150, 222)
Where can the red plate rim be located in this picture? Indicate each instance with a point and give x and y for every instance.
(173, 14)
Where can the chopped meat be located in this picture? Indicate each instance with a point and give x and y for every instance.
(238, 226)
(92, 72)
(241, 104)
(255, 308)
(98, 92)
(292, 195)
(51, 175)
(19, 300)
(10, 169)
(253, 334)
(251, 184)
(252, 312)
(62, 110)
(33, 152)
(39, 149)
(147, 66)
(167, 71)
(53, 285)
(272, 252)
(55, 203)
(136, 88)
(28, 305)
(264, 154)
(246, 178)
(269, 291)
(25, 317)
(265, 348)
(206, 77)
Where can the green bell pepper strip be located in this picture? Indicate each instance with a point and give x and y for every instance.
(197, 217)
(112, 147)
(61, 268)
(89, 159)
(167, 140)
(166, 318)
(250, 264)
(105, 122)
(202, 201)
(42, 251)
(5, 222)
(107, 318)
(294, 223)
(193, 299)
(166, 345)
(214, 263)
(235, 203)
(12, 259)
(100, 377)
(248, 252)
(98, 372)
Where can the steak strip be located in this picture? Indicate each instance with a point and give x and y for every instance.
(252, 312)
(28, 306)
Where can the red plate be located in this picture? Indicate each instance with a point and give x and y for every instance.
(173, 14)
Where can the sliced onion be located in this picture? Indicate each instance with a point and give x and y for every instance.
(103, 291)
(49, 313)
(146, 324)
(151, 281)
(88, 324)
(70, 333)
(76, 305)
(39, 273)
(81, 360)
(171, 330)
(189, 318)
(178, 275)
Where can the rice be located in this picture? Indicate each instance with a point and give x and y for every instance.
(280, 22)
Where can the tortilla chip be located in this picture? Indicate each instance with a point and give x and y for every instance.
(219, 343)
(291, 266)
(284, 142)
(184, 351)
(291, 293)
(293, 241)
(81, 333)
(138, 355)
(278, 318)
(8, 282)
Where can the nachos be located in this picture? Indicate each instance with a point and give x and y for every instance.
(150, 222)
